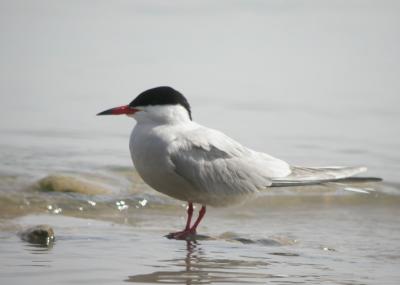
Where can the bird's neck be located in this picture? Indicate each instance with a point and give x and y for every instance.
(160, 115)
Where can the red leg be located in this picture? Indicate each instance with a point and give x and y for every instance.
(188, 231)
(189, 215)
(199, 218)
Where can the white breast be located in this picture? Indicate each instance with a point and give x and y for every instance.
(148, 146)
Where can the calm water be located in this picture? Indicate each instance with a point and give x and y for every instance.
(312, 82)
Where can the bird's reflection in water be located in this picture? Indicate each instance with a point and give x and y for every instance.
(196, 268)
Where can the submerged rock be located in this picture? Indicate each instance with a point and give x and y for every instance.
(40, 234)
(191, 237)
(63, 183)
(274, 241)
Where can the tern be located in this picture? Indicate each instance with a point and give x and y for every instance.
(190, 162)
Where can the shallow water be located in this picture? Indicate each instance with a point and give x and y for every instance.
(338, 242)
(312, 82)
(311, 235)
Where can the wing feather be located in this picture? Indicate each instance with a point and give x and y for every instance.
(316, 175)
(215, 164)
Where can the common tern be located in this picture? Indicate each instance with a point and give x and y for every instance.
(196, 164)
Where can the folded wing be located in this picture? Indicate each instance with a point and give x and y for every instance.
(214, 163)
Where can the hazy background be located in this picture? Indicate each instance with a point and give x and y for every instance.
(265, 72)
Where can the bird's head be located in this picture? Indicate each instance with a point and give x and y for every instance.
(160, 105)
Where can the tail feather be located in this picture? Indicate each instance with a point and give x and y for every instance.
(316, 175)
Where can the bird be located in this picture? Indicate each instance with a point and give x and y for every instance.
(190, 162)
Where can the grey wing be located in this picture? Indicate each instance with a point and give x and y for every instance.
(217, 172)
(316, 175)
(217, 165)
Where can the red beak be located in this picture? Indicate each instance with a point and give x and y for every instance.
(127, 110)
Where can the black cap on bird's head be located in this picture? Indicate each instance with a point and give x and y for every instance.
(162, 95)
(157, 96)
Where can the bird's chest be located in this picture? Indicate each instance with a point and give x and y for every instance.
(149, 152)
